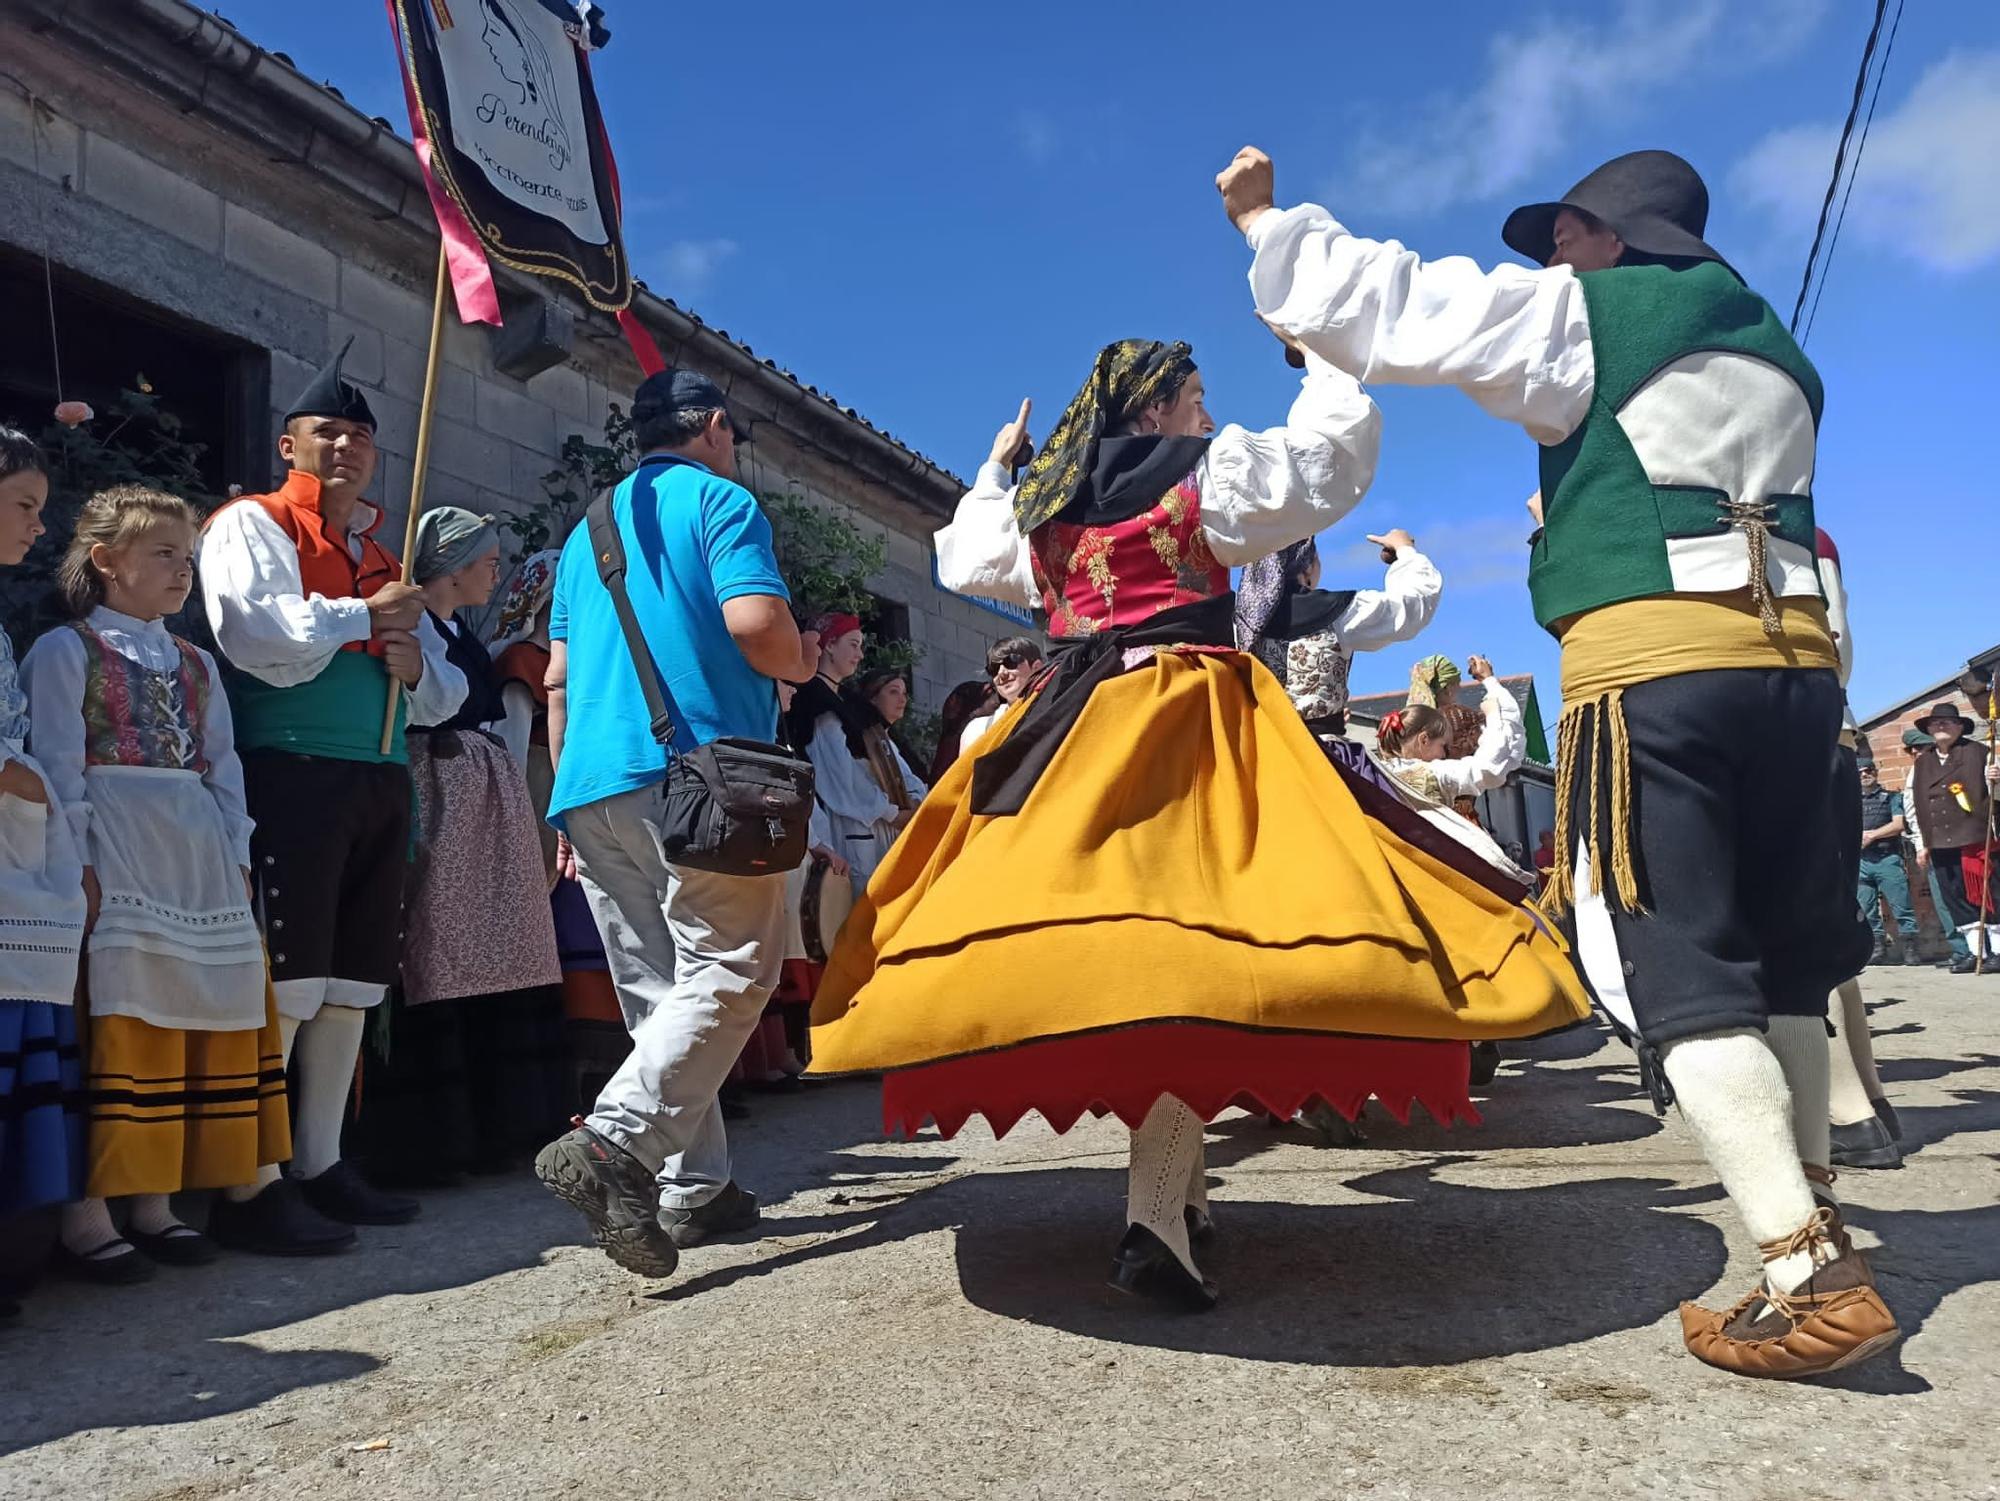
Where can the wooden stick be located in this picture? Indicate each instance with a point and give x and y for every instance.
(1985, 955)
(422, 464)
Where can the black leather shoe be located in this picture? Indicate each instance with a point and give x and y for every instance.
(188, 1247)
(1200, 1228)
(118, 1270)
(276, 1221)
(730, 1211)
(1886, 1114)
(341, 1193)
(1143, 1266)
(1865, 1144)
(1964, 965)
(1485, 1063)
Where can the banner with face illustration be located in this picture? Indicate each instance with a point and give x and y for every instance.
(512, 142)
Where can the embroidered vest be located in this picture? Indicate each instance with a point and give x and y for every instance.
(1947, 823)
(1094, 578)
(1692, 471)
(134, 716)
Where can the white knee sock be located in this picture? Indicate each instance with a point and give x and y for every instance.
(1802, 1047)
(1853, 1084)
(86, 1225)
(153, 1214)
(328, 1046)
(1166, 1151)
(288, 1032)
(1732, 1093)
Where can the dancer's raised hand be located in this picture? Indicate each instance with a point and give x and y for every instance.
(1246, 187)
(1393, 541)
(1011, 439)
(1479, 668)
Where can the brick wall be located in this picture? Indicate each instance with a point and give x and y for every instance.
(182, 218)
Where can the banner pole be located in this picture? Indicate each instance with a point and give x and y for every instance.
(421, 462)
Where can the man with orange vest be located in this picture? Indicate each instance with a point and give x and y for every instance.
(316, 628)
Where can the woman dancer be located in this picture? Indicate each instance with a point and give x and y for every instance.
(1158, 955)
(185, 1074)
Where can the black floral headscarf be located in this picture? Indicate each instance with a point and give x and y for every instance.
(1125, 378)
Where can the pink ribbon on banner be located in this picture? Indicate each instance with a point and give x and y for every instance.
(651, 361)
(471, 276)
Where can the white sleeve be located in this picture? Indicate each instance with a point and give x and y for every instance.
(974, 728)
(982, 551)
(1514, 339)
(1399, 610)
(224, 777)
(441, 689)
(1263, 491)
(1912, 825)
(52, 676)
(1836, 615)
(517, 730)
(819, 830)
(1503, 745)
(264, 621)
(843, 783)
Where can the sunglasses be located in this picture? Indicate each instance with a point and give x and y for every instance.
(994, 669)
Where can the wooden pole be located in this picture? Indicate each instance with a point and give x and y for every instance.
(421, 465)
(1986, 956)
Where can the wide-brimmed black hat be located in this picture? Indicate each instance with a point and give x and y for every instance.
(1946, 711)
(1653, 200)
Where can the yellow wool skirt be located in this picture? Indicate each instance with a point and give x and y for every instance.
(168, 1109)
(1192, 901)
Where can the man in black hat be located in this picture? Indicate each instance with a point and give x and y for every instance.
(1676, 563)
(694, 954)
(316, 628)
(1951, 791)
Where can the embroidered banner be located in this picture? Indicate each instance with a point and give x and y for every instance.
(512, 144)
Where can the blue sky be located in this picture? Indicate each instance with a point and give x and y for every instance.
(933, 211)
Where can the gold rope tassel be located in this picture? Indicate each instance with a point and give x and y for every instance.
(1753, 519)
(1595, 730)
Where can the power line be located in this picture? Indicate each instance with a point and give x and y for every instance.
(1861, 145)
(1840, 156)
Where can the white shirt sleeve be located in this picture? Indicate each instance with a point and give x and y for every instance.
(843, 783)
(441, 689)
(224, 777)
(517, 730)
(1503, 746)
(1836, 615)
(819, 830)
(976, 727)
(1514, 339)
(264, 621)
(982, 551)
(52, 675)
(1263, 491)
(1400, 609)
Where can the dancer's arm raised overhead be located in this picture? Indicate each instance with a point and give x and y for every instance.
(1401, 608)
(982, 551)
(1514, 339)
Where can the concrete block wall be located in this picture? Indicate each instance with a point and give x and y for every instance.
(193, 224)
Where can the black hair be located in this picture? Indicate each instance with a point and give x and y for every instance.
(1418, 721)
(671, 429)
(1013, 649)
(19, 453)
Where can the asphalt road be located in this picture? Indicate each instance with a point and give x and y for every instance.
(1484, 1312)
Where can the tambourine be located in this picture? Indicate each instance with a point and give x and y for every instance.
(823, 908)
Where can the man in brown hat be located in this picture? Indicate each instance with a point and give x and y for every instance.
(1951, 789)
(1677, 565)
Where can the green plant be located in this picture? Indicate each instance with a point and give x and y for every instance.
(583, 471)
(136, 441)
(826, 559)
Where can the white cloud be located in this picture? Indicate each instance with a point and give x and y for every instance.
(689, 265)
(1553, 83)
(1925, 186)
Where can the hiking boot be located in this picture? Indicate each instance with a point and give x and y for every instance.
(1833, 1320)
(731, 1210)
(611, 1189)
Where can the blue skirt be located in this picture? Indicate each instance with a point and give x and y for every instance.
(41, 1098)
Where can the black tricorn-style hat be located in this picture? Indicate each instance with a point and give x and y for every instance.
(1653, 200)
(327, 394)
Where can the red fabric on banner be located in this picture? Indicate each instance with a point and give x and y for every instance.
(1208, 1068)
(651, 361)
(471, 276)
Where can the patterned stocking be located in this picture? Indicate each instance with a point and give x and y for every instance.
(1166, 1156)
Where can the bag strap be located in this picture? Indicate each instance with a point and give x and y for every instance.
(609, 548)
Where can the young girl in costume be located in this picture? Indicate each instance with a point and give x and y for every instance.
(41, 913)
(184, 1074)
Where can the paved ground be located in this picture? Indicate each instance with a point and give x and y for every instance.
(1486, 1313)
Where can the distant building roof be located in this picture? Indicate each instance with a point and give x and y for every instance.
(1372, 706)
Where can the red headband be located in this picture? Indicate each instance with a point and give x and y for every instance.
(1393, 721)
(833, 627)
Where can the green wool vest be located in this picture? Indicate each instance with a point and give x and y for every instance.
(337, 715)
(1702, 427)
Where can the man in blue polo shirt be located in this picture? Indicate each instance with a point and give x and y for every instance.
(693, 954)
